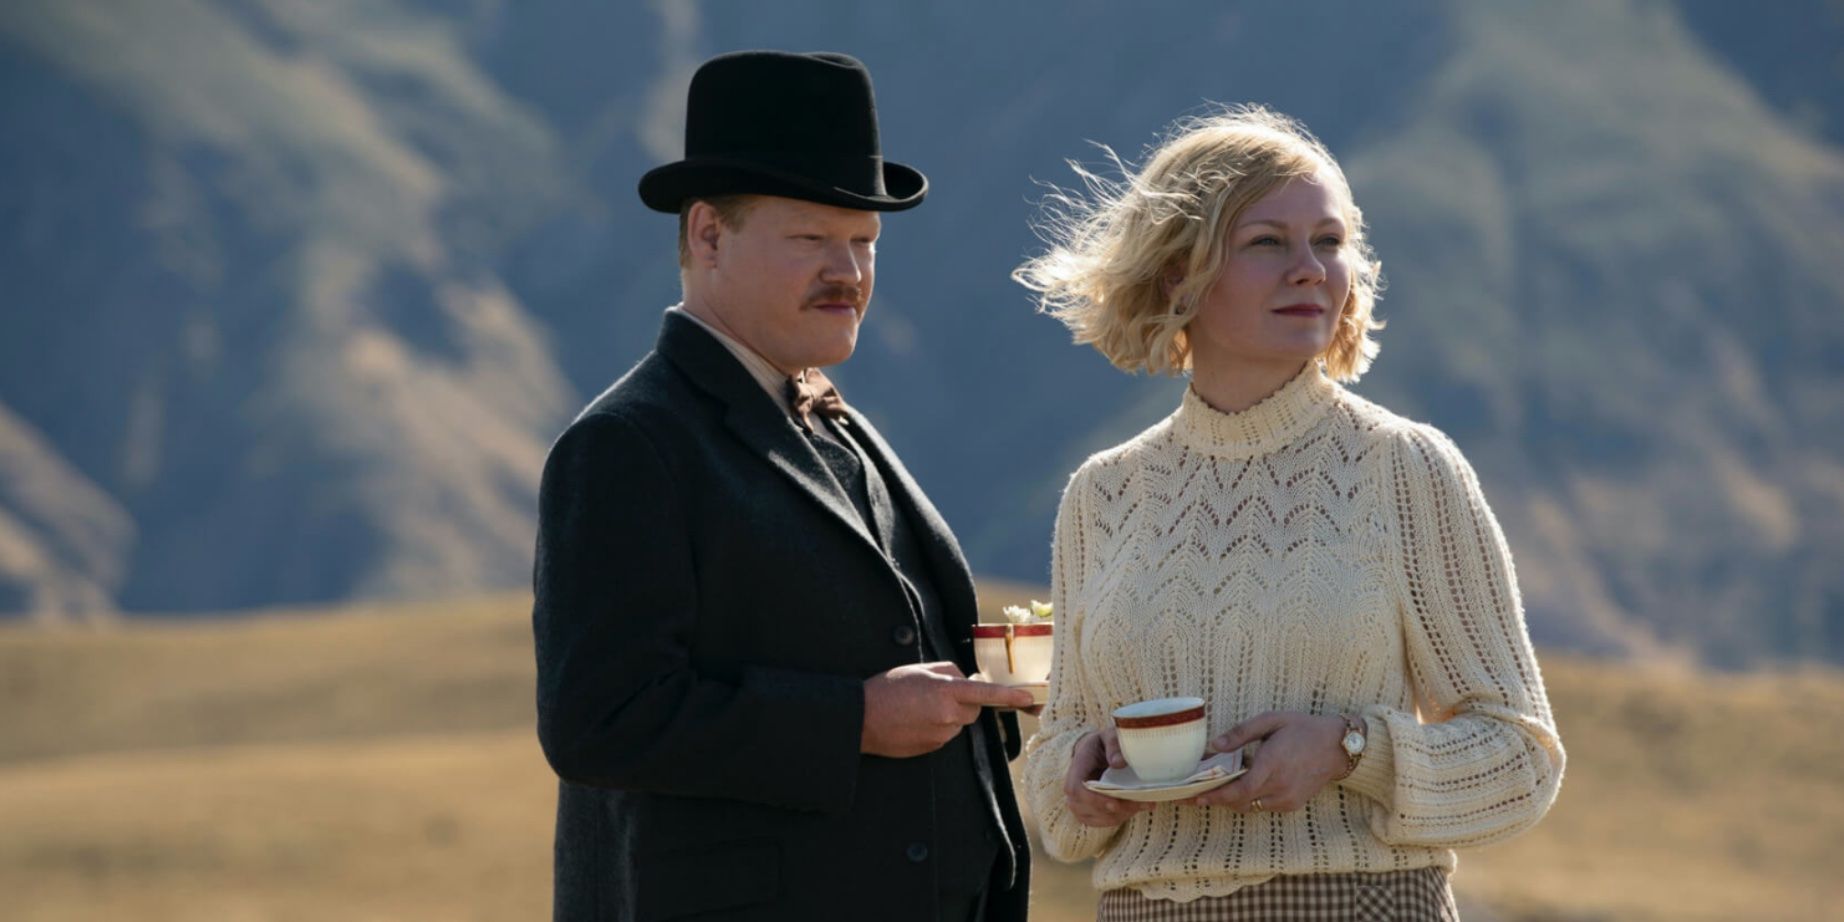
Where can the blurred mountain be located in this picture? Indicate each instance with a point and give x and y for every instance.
(251, 297)
(298, 294)
(1791, 53)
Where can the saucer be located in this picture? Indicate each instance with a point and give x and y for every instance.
(1213, 772)
(1040, 691)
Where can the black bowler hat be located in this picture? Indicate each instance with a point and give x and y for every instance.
(777, 123)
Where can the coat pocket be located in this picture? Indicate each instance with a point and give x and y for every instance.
(706, 878)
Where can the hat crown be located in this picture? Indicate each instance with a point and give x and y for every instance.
(775, 101)
(783, 123)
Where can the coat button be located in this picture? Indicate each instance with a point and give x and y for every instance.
(904, 635)
(917, 852)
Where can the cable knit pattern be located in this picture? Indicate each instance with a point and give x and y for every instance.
(1313, 553)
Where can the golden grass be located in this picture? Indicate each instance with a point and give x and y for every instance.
(1688, 796)
(379, 764)
(445, 827)
(282, 675)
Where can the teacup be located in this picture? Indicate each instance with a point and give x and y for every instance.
(1163, 739)
(1013, 654)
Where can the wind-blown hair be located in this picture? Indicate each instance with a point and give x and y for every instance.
(1112, 244)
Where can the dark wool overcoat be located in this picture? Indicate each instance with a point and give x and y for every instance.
(708, 606)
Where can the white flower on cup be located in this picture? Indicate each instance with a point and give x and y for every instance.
(1038, 613)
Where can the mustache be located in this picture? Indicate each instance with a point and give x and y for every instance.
(851, 294)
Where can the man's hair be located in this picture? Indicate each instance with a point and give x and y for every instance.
(731, 211)
(1104, 275)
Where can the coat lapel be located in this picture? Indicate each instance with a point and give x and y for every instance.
(752, 414)
(953, 579)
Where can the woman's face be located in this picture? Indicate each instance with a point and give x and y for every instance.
(1286, 276)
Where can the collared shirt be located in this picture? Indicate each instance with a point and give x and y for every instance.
(772, 379)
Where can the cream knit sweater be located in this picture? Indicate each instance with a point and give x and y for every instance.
(1313, 553)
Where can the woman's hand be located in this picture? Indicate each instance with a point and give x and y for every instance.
(1094, 754)
(1299, 755)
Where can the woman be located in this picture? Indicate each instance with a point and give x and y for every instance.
(1325, 574)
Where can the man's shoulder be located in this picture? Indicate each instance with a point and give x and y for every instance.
(651, 404)
(649, 412)
(654, 391)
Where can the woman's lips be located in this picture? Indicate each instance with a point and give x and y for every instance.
(1301, 310)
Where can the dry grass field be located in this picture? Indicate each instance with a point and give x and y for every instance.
(378, 764)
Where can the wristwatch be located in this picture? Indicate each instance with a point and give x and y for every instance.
(1353, 744)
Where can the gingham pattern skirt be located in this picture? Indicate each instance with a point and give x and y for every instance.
(1398, 896)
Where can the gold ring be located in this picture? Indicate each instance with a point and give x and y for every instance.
(1255, 805)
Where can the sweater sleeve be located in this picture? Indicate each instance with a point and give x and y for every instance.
(1479, 760)
(1071, 711)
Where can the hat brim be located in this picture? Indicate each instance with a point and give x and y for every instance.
(666, 188)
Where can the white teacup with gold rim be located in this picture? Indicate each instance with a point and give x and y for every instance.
(1014, 654)
(1163, 738)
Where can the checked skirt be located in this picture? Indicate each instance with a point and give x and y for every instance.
(1398, 896)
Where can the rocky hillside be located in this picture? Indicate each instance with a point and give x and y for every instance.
(298, 294)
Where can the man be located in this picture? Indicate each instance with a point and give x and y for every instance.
(752, 627)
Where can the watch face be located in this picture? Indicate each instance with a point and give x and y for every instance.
(1354, 742)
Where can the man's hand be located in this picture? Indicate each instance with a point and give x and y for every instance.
(1094, 754)
(915, 710)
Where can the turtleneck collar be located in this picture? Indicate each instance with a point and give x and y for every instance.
(1278, 420)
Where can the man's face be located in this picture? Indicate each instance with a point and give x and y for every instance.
(793, 281)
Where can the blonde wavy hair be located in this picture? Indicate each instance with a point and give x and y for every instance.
(1113, 243)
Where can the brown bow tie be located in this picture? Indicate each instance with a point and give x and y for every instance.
(813, 393)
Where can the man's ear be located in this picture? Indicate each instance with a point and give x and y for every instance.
(703, 231)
